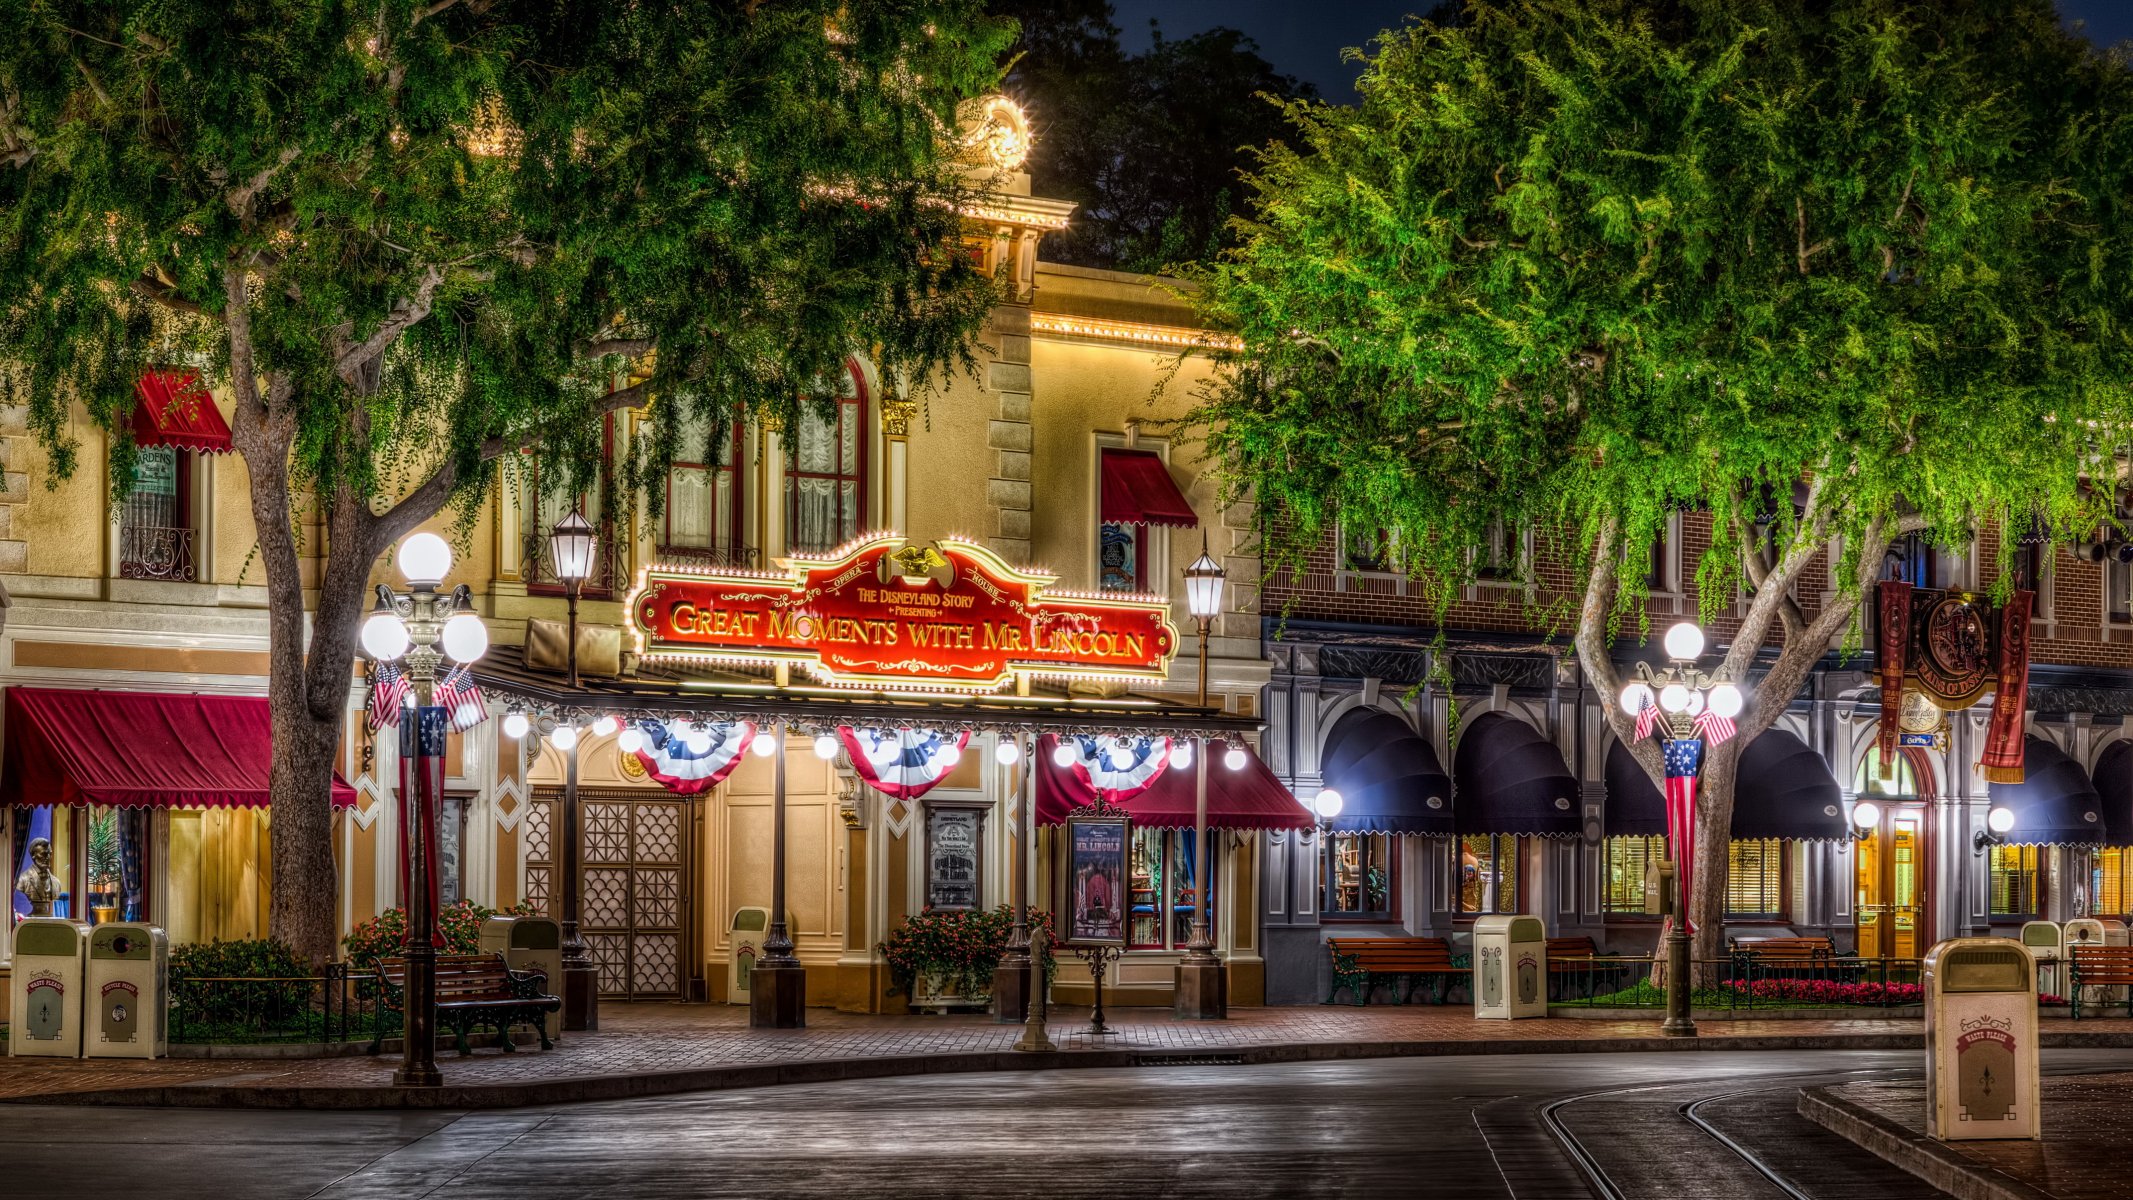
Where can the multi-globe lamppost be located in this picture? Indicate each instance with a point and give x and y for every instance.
(425, 627)
(1692, 709)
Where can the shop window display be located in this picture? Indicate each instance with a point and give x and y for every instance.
(1162, 870)
(1355, 876)
(1487, 879)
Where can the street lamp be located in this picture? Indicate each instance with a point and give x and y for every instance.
(570, 558)
(1691, 708)
(1202, 991)
(425, 628)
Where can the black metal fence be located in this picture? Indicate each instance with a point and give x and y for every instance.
(338, 1006)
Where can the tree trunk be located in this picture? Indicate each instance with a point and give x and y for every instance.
(1714, 833)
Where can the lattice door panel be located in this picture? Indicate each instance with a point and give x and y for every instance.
(540, 861)
(633, 911)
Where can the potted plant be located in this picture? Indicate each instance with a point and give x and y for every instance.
(103, 868)
(943, 960)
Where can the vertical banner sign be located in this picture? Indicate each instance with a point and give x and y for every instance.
(1684, 758)
(421, 796)
(1095, 901)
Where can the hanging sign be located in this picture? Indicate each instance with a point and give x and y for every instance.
(875, 613)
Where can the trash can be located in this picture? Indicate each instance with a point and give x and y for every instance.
(128, 992)
(2046, 943)
(530, 944)
(750, 926)
(1510, 967)
(44, 995)
(1981, 1040)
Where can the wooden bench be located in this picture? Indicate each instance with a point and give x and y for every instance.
(1574, 957)
(1360, 963)
(1810, 956)
(476, 990)
(2100, 966)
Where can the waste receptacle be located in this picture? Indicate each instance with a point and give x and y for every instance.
(530, 944)
(1981, 1040)
(44, 995)
(128, 992)
(2046, 943)
(750, 926)
(1510, 967)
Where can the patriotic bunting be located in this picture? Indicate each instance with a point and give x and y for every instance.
(902, 764)
(668, 757)
(1684, 758)
(1118, 767)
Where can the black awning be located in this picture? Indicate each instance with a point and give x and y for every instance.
(2055, 804)
(2113, 778)
(1634, 806)
(1509, 778)
(1783, 789)
(1387, 775)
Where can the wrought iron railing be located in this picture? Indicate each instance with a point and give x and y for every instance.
(342, 1005)
(709, 556)
(156, 552)
(1743, 981)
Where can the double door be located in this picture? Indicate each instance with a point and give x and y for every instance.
(1890, 901)
(635, 910)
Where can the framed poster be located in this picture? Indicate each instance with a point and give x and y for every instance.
(1095, 899)
(955, 857)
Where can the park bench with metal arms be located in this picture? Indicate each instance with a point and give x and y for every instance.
(1361, 963)
(2101, 966)
(476, 990)
(1574, 958)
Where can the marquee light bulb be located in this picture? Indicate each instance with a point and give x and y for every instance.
(1673, 697)
(630, 740)
(764, 745)
(605, 725)
(1236, 758)
(1006, 752)
(1635, 696)
(516, 725)
(1063, 754)
(565, 738)
(825, 746)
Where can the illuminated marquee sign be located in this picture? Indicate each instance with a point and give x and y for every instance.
(876, 613)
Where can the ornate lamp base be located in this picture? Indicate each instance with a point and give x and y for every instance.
(581, 997)
(777, 998)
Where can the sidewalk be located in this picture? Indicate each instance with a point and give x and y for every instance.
(655, 1048)
(2086, 1153)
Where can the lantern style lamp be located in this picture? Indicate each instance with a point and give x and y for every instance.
(570, 556)
(1203, 599)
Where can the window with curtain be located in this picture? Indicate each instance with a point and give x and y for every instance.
(550, 505)
(1162, 871)
(825, 473)
(2013, 881)
(1487, 876)
(1627, 860)
(1755, 878)
(704, 492)
(2111, 881)
(1355, 876)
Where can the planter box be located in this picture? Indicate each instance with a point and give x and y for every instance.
(933, 995)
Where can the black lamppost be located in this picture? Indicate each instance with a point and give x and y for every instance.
(570, 556)
(1202, 988)
(425, 627)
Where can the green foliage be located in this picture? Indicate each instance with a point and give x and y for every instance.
(962, 948)
(211, 988)
(103, 851)
(385, 935)
(1577, 263)
(257, 958)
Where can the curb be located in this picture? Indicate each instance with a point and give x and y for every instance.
(1898, 1145)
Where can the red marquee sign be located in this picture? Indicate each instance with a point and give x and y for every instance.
(953, 617)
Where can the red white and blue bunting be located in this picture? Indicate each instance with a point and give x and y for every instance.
(680, 768)
(902, 764)
(1117, 767)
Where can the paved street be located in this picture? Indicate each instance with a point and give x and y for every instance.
(1481, 1126)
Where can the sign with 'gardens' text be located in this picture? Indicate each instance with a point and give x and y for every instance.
(875, 612)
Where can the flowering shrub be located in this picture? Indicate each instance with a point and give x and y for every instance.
(2048, 1000)
(961, 948)
(1830, 991)
(385, 935)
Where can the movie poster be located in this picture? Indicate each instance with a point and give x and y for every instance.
(1096, 881)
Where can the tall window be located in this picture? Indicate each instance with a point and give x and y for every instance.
(552, 504)
(1368, 549)
(2014, 881)
(704, 491)
(825, 479)
(1755, 878)
(1163, 871)
(1487, 874)
(2118, 590)
(156, 524)
(1355, 876)
(1657, 576)
(1628, 858)
(1499, 553)
(2112, 883)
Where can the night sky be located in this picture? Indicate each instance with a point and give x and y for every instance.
(1305, 37)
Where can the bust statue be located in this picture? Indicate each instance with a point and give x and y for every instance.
(37, 883)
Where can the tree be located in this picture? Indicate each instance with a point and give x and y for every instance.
(1151, 146)
(1580, 263)
(412, 238)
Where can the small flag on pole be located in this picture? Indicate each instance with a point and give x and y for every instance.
(1716, 730)
(461, 699)
(388, 691)
(1646, 716)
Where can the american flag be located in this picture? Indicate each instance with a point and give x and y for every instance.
(1684, 757)
(1646, 717)
(388, 691)
(1714, 728)
(460, 698)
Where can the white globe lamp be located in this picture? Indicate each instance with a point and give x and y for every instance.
(425, 560)
(1684, 642)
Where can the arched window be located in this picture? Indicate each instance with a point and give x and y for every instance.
(825, 474)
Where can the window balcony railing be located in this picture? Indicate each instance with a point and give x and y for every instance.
(709, 556)
(156, 552)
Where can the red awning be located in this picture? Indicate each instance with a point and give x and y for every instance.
(1138, 490)
(138, 750)
(176, 411)
(1248, 798)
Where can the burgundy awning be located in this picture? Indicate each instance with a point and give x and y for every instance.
(1138, 490)
(138, 750)
(1247, 798)
(176, 411)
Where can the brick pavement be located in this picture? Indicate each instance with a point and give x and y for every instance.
(653, 1039)
(2086, 1152)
